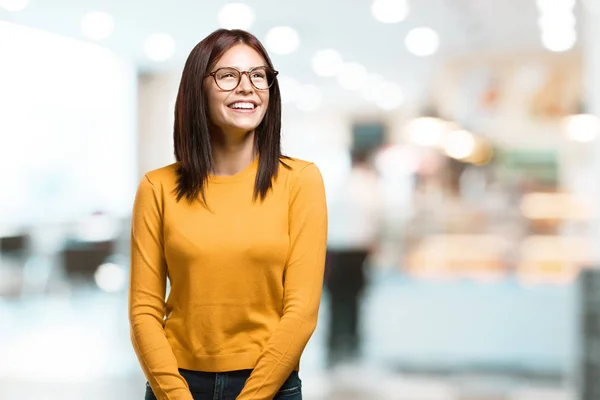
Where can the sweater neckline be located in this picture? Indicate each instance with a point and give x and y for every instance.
(247, 172)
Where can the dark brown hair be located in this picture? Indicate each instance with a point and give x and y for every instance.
(191, 130)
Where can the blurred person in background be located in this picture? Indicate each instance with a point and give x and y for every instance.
(355, 226)
(239, 230)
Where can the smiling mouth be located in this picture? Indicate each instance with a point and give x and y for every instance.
(242, 105)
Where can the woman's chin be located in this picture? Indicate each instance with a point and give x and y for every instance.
(237, 126)
(240, 129)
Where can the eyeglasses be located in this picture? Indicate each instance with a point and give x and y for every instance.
(229, 78)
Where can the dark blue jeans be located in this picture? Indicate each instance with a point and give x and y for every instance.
(228, 385)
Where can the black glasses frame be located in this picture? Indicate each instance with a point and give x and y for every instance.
(267, 69)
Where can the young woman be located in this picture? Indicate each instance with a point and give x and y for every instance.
(238, 229)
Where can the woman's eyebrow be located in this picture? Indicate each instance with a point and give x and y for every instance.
(238, 67)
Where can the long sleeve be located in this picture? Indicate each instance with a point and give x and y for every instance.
(303, 281)
(147, 297)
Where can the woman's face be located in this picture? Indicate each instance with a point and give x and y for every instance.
(242, 109)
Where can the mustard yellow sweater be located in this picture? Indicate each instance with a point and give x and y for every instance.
(245, 276)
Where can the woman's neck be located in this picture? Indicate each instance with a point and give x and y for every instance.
(232, 156)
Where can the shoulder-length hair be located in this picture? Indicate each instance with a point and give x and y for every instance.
(191, 129)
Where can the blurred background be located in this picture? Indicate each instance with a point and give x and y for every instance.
(459, 144)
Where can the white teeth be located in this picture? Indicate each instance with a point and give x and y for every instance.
(246, 106)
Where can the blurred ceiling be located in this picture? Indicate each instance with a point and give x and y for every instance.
(464, 26)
